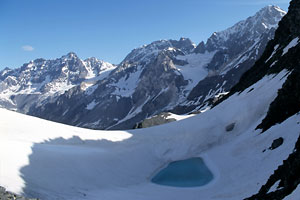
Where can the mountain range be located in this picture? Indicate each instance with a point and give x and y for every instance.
(166, 75)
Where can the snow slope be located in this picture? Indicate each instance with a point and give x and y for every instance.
(292, 44)
(54, 161)
(195, 70)
(295, 194)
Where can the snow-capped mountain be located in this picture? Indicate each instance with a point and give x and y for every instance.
(236, 50)
(42, 81)
(249, 140)
(246, 30)
(146, 53)
(166, 75)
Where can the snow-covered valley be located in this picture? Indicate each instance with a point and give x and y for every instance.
(245, 136)
(49, 160)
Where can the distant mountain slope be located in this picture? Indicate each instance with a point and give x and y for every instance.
(237, 50)
(166, 75)
(41, 81)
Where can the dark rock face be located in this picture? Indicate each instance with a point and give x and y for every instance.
(287, 103)
(230, 127)
(200, 48)
(155, 120)
(276, 143)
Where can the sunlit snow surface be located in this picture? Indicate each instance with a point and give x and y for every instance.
(295, 194)
(195, 70)
(54, 161)
(292, 44)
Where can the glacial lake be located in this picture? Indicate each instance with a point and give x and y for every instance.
(191, 172)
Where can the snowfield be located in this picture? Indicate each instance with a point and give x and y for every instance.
(195, 70)
(49, 160)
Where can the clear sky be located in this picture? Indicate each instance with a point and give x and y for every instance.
(110, 29)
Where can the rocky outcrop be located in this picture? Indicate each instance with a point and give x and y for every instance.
(5, 195)
(155, 120)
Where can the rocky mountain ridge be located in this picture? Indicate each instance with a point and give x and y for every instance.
(41, 81)
(166, 75)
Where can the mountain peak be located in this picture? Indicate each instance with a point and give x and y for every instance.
(265, 19)
(71, 55)
(272, 8)
(186, 43)
(269, 15)
(146, 52)
(38, 60)
(91, 59)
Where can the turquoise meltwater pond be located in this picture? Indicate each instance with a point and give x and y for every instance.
(192, 172)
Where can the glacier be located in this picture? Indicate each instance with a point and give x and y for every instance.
(49, 160)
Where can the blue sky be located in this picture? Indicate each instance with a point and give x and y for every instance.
(110, 29)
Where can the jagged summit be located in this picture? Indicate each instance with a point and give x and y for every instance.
(70, 56)
(92, 59)
(272, 8)
(42, 79)
(265, 19)
(268, 17)
(146, 52)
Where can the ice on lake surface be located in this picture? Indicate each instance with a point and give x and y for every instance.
(191, 172)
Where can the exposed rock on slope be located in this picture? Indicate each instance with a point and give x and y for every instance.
(159, 119)
(287, 175)
(281, 53)
(5, 195)
(237, 50)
